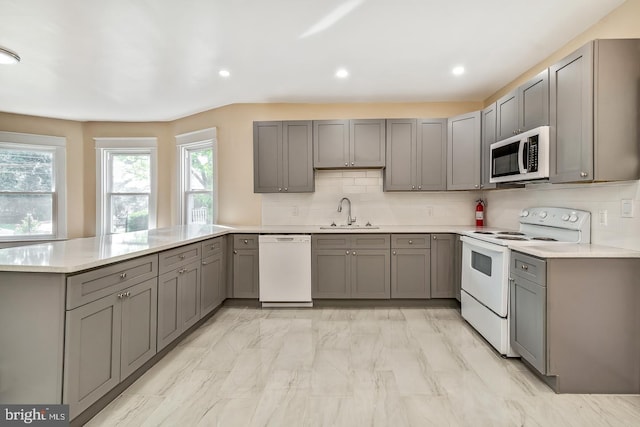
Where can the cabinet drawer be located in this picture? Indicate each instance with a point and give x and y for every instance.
(245, 241)
(331, 241)
(212, 247)
(528, 267)
(86, 287)
(370, 241)
(408, 241)
(179, 257)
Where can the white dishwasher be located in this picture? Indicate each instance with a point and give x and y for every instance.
(285, 270)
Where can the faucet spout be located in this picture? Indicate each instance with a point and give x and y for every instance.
(349, 219)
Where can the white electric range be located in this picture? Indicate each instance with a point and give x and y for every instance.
(486, 259)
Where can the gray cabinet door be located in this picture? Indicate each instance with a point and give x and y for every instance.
(330, 273)
(367, 143)
(400, 172)
(489, 117)
(169, 306)
(189, 295)
(211, 283)
(571, 117)
(507, 115)
(410, 273)
(370, 275)
(431, 155)
(442, 262)
(331, 143)
(528, 321)
(92, 352)
(267, 157)
(533, 105)
(297, 157)
(139, 327)
(245, 273)
(463, 152)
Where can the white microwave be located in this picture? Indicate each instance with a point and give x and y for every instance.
(524, 157)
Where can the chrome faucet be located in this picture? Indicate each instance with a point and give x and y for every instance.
(349, 219)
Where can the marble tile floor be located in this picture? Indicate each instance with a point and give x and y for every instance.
(349, 367)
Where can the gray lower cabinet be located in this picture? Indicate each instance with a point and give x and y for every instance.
(350, 266)
(106, 340)
(528, 307)
(213, 286)
(283, 157)
(416, 155)
(442, 265)
(245, 266)
(524, 108)
(411, 266)
(339, 144)
(178, 302)
(594, 108)
(463, 152)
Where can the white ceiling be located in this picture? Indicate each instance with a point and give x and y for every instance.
(144, 60)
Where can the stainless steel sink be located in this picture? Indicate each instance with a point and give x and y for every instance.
(348, 227)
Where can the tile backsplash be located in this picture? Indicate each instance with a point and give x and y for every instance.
(603, 200)
(369, 203)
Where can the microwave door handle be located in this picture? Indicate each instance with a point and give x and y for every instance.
(523, 156)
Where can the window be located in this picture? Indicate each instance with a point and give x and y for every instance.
(126, 184)
(32, 187)
(198, 195)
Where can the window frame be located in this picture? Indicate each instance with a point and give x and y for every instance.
(185, 143)
(57, 146)
(105, 148)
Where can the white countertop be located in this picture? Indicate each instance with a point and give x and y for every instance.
(570, 250)
(75, 255)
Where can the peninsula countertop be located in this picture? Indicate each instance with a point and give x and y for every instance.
(74, 255)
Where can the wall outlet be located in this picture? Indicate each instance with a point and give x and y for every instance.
(626, 208)
(603, 219)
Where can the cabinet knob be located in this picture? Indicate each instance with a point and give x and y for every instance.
(477, 186)
(584, 174)
(394, 252)
(353, 163)
(419, 187)
(513, 133)
(435, 237)
(354, 253)
(213, 246)
(347, 252)
(120, 296)
(235, 252)
(286, 189)
(413, 187)
(346, 163)
(182, 256)
(204, 263)
(524, 267)
(411, 242)
(279, 189)
(123, 276)
(128, 294)
(246, 241)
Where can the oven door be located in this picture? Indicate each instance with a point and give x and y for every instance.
(485, 273)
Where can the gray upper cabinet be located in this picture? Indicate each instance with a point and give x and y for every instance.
(524, 108)
(594, 107)
(342, 144)
(416, 155)
(489, 120)
(463, 152)
(282, 157)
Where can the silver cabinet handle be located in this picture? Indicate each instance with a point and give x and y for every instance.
(213, 246)
(419, 187)
(123, 276)
(279, 189)
(286, 189)
(346, 163)
(182, 256)
(394, 252)
(435, 237)
(128, 294)
(204, 263)
(477, 186)
(524, 267)
(353, 163)
(354, 253)
(347, 252)
(413, 187)
(246, 241)
(120, 296)
(411, 242)
(584, 174)
(235, 252)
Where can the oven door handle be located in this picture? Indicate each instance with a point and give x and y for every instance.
(484, 245)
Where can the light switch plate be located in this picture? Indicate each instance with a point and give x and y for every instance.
(603, 217)
(626, 208)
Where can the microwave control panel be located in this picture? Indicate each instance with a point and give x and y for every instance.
(532, 154)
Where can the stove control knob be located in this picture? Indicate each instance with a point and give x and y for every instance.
(573, 218)
(543, 214)
(565, 217)
(524, 213)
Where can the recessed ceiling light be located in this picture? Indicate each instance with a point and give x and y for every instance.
(342, 73)
(8, 57)
(458, 71)
(224, 73)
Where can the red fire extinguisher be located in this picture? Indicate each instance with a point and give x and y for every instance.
(479, 213)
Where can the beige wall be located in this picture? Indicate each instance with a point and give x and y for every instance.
(622, 23)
